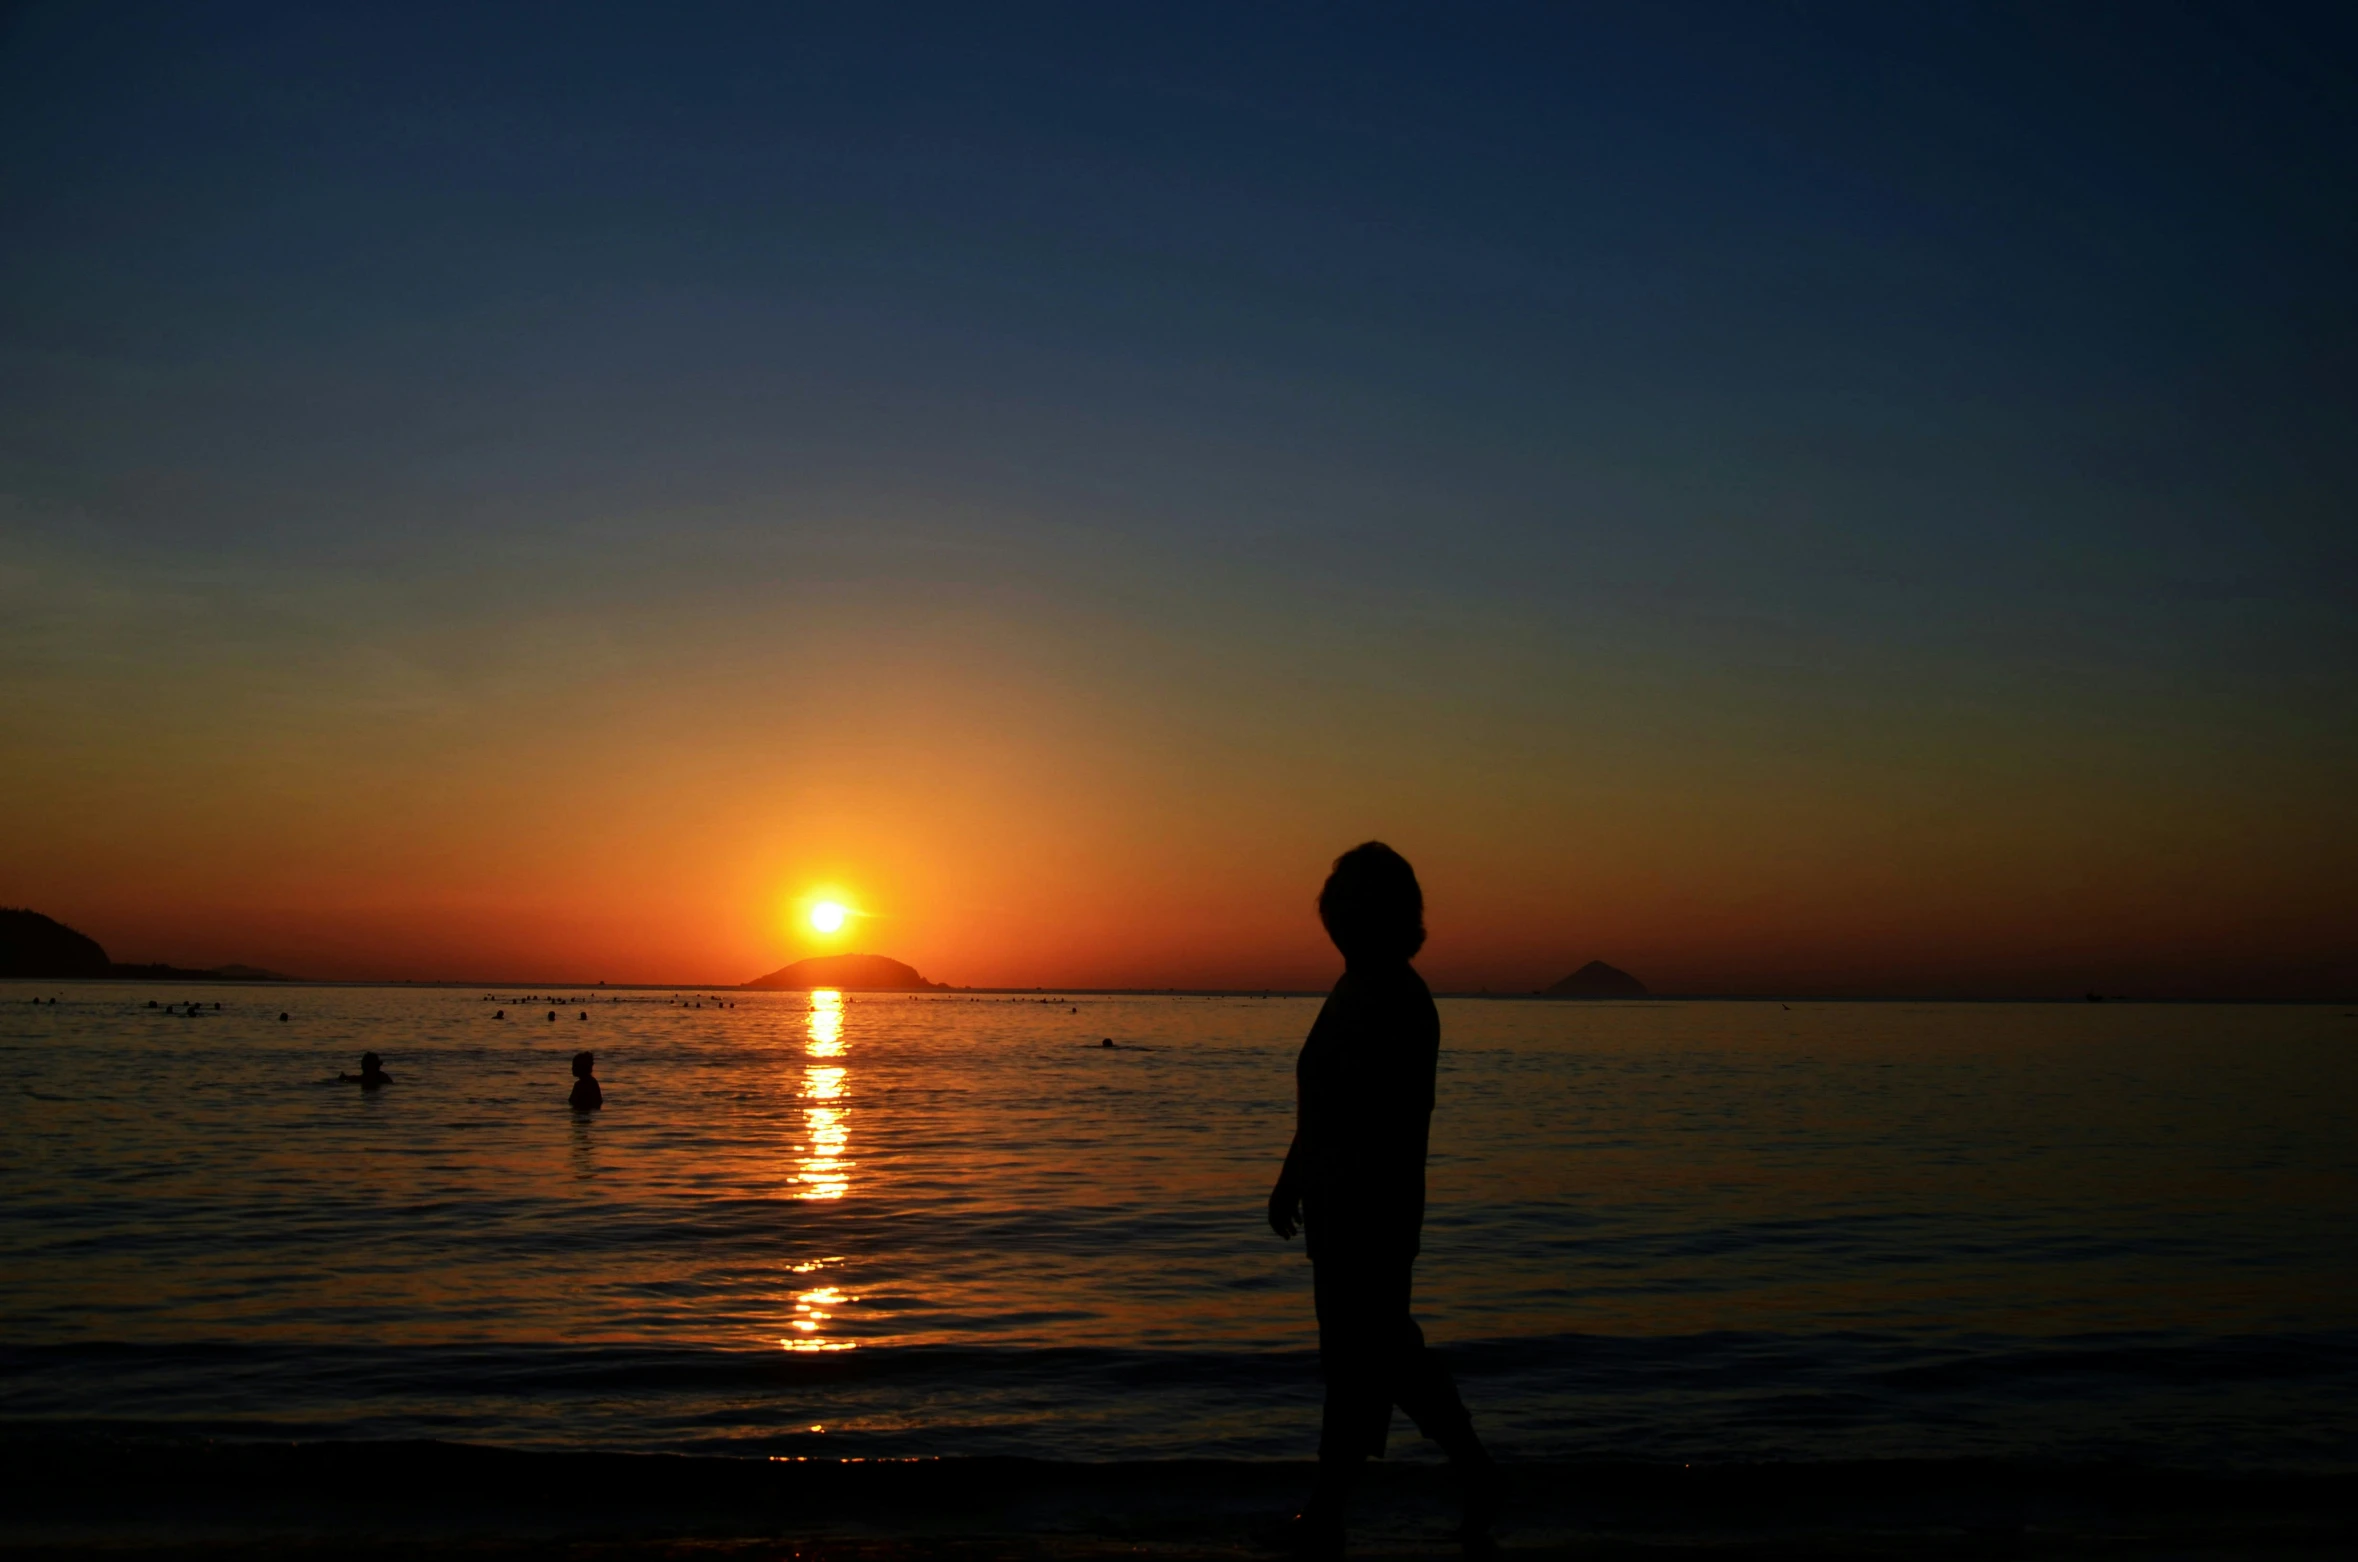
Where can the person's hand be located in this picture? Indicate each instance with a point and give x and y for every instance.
(1285, 1209)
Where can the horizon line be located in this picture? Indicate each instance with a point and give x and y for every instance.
(1174, 992)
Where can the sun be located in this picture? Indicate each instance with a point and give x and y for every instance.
(828, 916)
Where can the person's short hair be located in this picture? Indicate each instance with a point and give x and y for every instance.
(1371, 905)
(369, 1060)
(583, 1062)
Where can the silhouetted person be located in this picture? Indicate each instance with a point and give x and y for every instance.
(1354, 1179)
(586, 1097)
(372, 1073)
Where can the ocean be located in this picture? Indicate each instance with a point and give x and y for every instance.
(886, 1224)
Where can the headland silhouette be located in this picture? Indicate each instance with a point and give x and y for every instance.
(42, 948)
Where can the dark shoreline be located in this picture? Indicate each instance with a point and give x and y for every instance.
(81, 1496)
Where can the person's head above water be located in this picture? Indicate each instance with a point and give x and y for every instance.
(583, 1062)
(1372, 907)
(372, 1071)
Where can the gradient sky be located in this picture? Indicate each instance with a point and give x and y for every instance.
(1777, 497)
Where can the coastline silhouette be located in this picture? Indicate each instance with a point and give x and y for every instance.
(1354, 1184)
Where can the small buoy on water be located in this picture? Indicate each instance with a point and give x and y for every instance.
(282, 1016)
(1107, 1042)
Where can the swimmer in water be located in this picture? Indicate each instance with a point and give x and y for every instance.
(372, 1073)
(586, 1097)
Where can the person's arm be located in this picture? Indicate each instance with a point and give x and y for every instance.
(1285, 1200)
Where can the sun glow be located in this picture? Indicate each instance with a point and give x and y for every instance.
(828, 916)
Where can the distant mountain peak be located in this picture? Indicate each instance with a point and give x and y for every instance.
(1597, 980)
(854, 971)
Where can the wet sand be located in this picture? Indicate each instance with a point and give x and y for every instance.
(90, 1497)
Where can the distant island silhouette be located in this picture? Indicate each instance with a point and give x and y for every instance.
(855, 971)
(43, 948)
(1597, 980)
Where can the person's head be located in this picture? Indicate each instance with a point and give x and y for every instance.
(583, 1062)
(370, 1063)
(1372, 907)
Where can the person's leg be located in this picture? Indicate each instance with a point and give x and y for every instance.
(1351, 1358)
(1421, 1386)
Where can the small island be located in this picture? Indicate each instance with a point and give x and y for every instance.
(873, 973)
(1597, 980)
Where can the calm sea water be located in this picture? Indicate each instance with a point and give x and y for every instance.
(864, 1224)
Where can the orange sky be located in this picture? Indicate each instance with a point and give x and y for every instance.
(1020, 791)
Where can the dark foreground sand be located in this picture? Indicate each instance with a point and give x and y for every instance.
(142, 1499)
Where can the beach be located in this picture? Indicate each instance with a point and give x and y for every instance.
(438, 1499)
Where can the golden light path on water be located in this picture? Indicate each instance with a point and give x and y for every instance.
(824, 1170)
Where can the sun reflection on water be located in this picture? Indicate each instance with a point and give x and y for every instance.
(812, 1309)
(826, 1020)
(825, 1168)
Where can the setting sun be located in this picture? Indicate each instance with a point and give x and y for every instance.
(827, 916)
